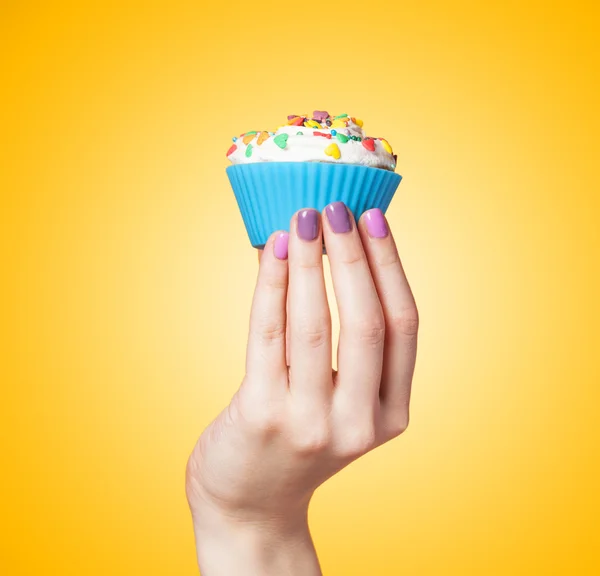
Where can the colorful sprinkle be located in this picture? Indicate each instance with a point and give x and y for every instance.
(333, 150)
(320, 115)
(312, 124)
(386, 146)
(337, 129)
(281, 140)
(338, 124)
(369, 144)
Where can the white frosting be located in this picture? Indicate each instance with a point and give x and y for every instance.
(310, 148)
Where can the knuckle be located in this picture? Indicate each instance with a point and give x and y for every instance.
(359, 440)
(270, 332)
(372, 337)
(310, 264)
(275, 282)
(398, 424)
(315, 335)
(388, 259)
(370, 332)
(257, 414)
(407, 322)
(352, 259)
(265, 421)
(314, 440)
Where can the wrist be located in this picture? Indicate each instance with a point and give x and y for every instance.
(229, 545)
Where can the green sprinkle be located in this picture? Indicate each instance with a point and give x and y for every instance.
(299, 133)
(249, 151)
(281, 140)
(341, 116)
(342, 137)
(248, 133)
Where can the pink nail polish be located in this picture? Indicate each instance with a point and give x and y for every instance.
(280, 246)
(376, 224)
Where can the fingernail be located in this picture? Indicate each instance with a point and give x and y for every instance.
(376, 224)
(280, 246)
(308, 224)
(338, 217)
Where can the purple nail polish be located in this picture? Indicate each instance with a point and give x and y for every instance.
(376, 224)
(308, 224)
(280, 246)
(338, 217)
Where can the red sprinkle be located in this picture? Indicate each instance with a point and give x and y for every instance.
(369, 144)
(328, 136)
(232, 149)
(298, 121)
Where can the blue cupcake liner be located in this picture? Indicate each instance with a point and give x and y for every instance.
(270, 193)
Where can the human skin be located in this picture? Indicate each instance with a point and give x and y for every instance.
(294, 422)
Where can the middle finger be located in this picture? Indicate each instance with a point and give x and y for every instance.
(362, 325)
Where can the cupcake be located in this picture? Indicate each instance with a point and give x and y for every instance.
(309, 162)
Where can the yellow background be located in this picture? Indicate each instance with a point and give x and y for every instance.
(127, 274)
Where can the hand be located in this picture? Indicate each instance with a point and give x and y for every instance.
(288, 428)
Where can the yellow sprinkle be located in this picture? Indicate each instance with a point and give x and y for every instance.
(262, 137)
(248, 138)
(312, 124)
(358, 122)
(333, 150)
(338, 124)
(386, 146)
